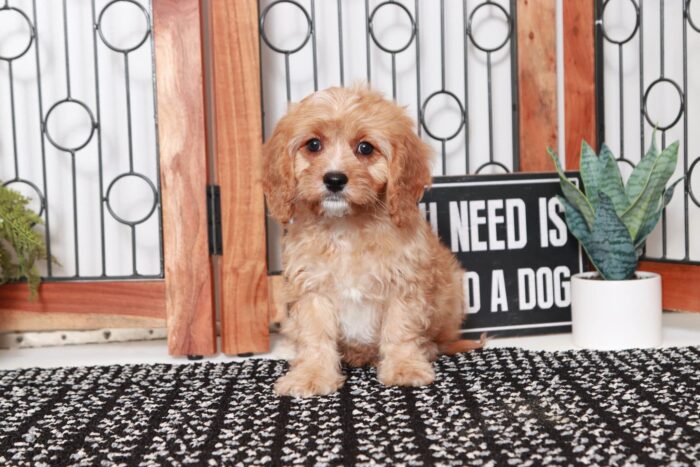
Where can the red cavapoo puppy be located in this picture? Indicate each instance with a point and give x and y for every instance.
(366, 279)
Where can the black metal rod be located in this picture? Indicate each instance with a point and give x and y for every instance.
(127, 86)
(674, 261)
(663, 133)
(418, 93)
(99, 142)
(622, 101)
(444, 158)
(465, 38)
(393, 75)
(686, 218)
(67, 52)
(74, 176)
(287, 78)
(133, 250)
(101, 278)
(313, 44)
(641, 76)
(12, 115)
(663, 224)
(662, 41)
(442, 43)
(157, 152)
(262, 126)
(47, 222)
(515, 93)
(75, 214)
(261, 74)
(599, 71)
(340, 42)
(490, 104)
(367, 39)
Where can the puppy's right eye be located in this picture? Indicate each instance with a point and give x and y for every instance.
(313, 145)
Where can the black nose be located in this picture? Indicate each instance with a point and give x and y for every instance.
(335, 181)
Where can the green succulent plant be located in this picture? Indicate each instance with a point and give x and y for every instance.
(612, 220)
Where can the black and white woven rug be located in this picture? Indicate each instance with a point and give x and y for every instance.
(489, 407)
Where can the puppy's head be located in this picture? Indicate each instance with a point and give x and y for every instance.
(343, 151)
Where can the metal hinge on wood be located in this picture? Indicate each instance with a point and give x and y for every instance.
(214, 219)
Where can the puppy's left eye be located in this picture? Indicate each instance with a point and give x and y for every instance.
(314, 145)
(365, 148)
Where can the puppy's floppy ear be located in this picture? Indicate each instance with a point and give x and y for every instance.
(278, 173)
(409, 174)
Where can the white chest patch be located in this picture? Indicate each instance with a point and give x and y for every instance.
(358, 317)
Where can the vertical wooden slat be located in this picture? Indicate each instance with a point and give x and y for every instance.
(537, 80)
(236, 99)
(579, 78)
(182, 140)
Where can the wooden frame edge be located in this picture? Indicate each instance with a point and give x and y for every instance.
(83, 305)
(537, 82)
(177, 27)
(680, 282)
(235, 63)
(579, 78)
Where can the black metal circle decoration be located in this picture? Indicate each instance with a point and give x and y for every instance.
(12, 55)
(39, 196)
(630, 35)
(371, 25)
(470, 27)
(692, 22)
(121, 218)
(492, 164)
(424, 108)
(111, 45)
(626, 161)
(689, 181)
(307, 36)
(86, 138)
(630, 164)
(681, 106)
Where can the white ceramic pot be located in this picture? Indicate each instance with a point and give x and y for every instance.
(614, 315)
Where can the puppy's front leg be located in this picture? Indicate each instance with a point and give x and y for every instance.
(315, 370)
(402, 346)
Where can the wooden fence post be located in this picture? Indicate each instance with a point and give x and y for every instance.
(537, 81)
(183, 167)
(238, 128)
(579, 78)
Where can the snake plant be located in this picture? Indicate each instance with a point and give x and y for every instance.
(612, 220)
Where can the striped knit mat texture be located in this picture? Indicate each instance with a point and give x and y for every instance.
(488, 407)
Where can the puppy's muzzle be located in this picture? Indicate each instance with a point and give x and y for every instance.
(335, 181)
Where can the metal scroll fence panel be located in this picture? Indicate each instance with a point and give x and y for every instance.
(648, 78)
(78, 132)
(452, 63)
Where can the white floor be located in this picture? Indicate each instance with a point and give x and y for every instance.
(680, 329)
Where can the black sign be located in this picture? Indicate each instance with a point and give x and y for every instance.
(509, 233)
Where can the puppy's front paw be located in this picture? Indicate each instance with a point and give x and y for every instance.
(405, 373)
(304, 382)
